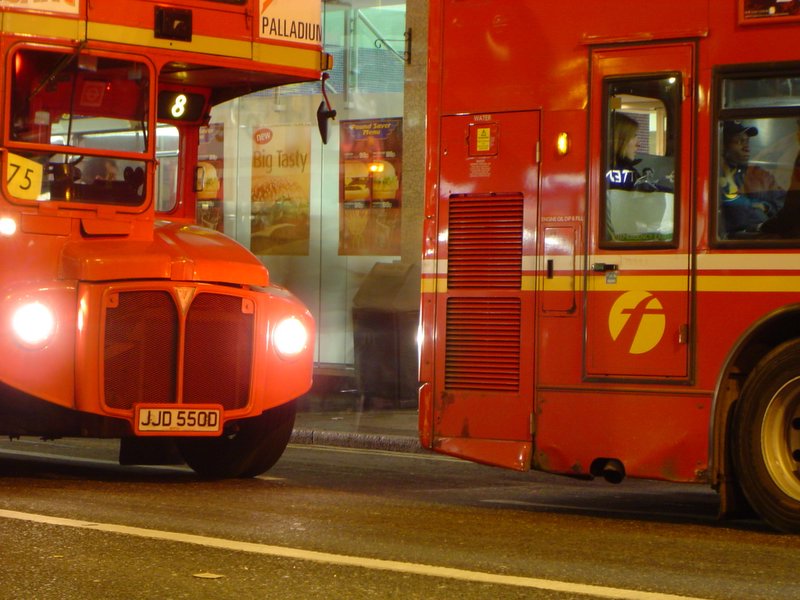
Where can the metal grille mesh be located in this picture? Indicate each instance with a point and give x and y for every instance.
(141, 354)
(218, 354)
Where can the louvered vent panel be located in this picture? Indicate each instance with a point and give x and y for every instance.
(483, 344)
(485, 242)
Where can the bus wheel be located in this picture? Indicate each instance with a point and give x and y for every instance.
(767, 438)
(255, 445)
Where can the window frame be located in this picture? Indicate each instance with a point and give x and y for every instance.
(14, 146)
(673, 124)
(720, 75)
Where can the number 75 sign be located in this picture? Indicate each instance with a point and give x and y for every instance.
(24, 177)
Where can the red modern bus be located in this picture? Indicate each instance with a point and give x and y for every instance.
(120, 317)
(611, 260)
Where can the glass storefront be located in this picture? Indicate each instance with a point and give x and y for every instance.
(327, 219)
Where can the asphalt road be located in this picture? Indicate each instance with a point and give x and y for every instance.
(347, 523)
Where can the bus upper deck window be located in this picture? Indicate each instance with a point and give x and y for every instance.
(758, 159)
(73, 102)
(639, 159)
(55, 94)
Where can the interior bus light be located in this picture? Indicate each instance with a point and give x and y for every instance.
(8, 226)
(290, 337)
(33, 324)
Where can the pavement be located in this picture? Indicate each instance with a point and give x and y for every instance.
(348, 420)
(392, 430)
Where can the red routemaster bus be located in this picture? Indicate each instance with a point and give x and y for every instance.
(119, 316)
(611, 261)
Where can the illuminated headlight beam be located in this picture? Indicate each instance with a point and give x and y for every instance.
(8, 226)
(290, 337)
(33, 324)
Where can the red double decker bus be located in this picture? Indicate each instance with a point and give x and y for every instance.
(611, 261)
(120, 317)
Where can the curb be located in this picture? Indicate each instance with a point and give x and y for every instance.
(365, 441)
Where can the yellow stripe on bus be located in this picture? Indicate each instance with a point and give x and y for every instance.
(284, 55)
(651, 283)
(748, 283)
(123, 34)
(41, 25)
(76, 29)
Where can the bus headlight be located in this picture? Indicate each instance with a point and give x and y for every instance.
(33, 324)
(290, 337)
(8, 226)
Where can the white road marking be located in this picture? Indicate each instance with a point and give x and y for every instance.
(75, 459)
(105, 462)
(566, 587)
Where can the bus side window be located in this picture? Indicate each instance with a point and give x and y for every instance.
(639, 159)
(758, 159)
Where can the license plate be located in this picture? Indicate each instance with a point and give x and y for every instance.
(178, 420)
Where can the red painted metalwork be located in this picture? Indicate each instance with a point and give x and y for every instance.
(631, 348)
(151, 314)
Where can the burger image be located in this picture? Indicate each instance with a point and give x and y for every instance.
(384, 181)
(356, 181)
(209, 188)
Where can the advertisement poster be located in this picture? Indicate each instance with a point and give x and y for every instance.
(208, 177)
(281, 190)
(370, 167)
(750, 10)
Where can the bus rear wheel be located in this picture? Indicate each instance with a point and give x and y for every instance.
(252, 448)
(766, 441)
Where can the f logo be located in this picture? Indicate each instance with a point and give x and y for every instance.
(637, 319)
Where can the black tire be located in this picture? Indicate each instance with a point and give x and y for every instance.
(766, 438)
(250, 449)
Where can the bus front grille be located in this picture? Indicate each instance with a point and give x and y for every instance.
(142, 350)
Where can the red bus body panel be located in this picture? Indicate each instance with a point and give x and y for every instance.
(116, 275)
(581, 386)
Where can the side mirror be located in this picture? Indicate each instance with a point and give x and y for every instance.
(323, 114)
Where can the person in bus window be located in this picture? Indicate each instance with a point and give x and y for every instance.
(749, 196)
(787, 222)
(623, 174)
(100, 169)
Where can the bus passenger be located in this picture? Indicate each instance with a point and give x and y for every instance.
(100, 169)
(623, 174)
(787, 222)
(748, 195)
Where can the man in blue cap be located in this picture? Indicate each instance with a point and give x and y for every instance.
(748, 195)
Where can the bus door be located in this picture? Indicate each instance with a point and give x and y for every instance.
(638, 269)
(488, 191)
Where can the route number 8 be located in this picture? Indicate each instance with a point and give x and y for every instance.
(179, 106)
